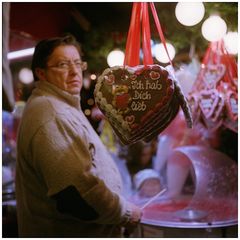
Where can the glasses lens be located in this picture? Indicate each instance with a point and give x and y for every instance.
(66, 66)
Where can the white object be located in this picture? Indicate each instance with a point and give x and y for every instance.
(25, 76)
(21, 53)
(214, 28)
(189, 13)
(160, 52)
(6, 175)
(231, 42)
(18, 109)
(143, 175)
(115, 58)
(153, 198)
(186, 78)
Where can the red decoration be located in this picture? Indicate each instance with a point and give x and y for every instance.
(214, 93)
(140, 15)
(140, 101)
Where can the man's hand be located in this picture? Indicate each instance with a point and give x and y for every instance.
(134, 220)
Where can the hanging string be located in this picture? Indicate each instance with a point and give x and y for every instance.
(133, 40)
(199, 82)
(159, 28)
(229, 61)
(140, 15)
(146, 37)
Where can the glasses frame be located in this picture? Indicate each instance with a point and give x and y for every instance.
(69, 64)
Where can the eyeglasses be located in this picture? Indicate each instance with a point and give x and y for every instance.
(66, 65)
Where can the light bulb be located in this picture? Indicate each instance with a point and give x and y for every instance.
(115, 58)
(231, 42)
(189, 13)
(214, 28)
(25, 76)
(160, 52)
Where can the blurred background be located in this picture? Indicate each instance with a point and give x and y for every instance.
(190, 29)
(102, 27)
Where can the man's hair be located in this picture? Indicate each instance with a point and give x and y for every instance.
(44, 49)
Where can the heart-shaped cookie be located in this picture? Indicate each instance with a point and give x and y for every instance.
(212, 74)
(211, 104)
(232, 105)
(208, 102)
(139, 102)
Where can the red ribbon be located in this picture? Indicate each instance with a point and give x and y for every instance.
(159, 28)
(217, 54)
(140, 16)
(133, 39)
(146, 36)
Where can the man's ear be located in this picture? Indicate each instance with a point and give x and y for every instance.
(41, 74)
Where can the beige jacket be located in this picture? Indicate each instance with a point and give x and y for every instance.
(57, 147)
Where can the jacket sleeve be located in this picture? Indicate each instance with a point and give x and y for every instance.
(69, 201)
(61, 157)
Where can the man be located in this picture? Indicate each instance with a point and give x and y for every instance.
(66, 183)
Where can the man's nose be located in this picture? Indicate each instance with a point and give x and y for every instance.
(74, 69)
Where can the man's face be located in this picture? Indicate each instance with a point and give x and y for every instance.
(64, 69)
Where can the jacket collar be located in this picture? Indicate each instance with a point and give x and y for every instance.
(50, 88)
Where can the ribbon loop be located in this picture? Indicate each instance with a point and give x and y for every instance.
(140, 17)
(133, 40)
(146, 38)
(159, 28)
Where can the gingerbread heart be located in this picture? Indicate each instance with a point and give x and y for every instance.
(212, 74)
(232, 105)
(209, 102)
(139, 102)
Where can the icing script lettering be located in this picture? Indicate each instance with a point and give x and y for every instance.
(138, 106)
(137, 85)
(139, 97)
(153, 85)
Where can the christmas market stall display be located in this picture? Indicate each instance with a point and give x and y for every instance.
(140, 101)
(212, 202)
(214, 98)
